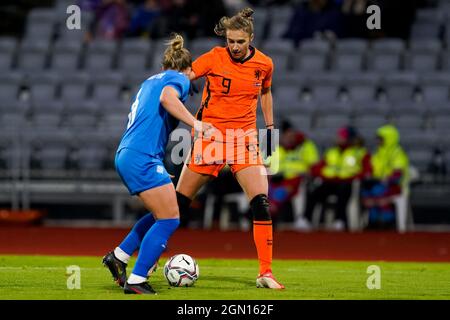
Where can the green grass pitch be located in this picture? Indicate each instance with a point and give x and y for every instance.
(45, 277)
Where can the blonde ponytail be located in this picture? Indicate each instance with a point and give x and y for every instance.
(176, 57)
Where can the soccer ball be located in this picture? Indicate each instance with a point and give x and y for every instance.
(181, 270)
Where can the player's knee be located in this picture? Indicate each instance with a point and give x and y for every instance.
(259, 206)
(183, 203)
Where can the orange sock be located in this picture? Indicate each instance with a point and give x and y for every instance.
(262, 235)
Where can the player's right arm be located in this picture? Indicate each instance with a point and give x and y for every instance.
(202, 65)
(170, 101)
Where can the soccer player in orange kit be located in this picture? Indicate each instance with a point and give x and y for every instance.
(235, 76)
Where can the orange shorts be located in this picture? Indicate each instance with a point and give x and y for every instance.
(209, 156)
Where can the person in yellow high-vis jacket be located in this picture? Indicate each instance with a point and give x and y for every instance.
(290, 163)
(390, 175)
(335, 173)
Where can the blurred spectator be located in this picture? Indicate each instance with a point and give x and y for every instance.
(355, 18)
(144, 18)
(312, 17)
(195, 18)
(294, 157)
(390, 175)
(111, 20)
(335, 173)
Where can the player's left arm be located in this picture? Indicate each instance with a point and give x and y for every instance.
(267, 107)
(266, 96)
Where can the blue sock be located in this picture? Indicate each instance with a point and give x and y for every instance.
(153, 244)
(133, 240)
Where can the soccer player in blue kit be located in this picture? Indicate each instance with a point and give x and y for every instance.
(155, 113)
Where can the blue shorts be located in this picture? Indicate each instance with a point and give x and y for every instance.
(140, 171)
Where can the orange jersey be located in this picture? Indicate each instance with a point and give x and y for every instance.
(232, 87)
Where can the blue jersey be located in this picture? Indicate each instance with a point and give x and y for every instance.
(149, 124)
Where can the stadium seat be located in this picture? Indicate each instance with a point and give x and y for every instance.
(47, 106)
(43, 86)
(100, 56)
(442, 124)
(280, 51)
(113, 123)
(52, 158)
(409, 122)
(287, 94)
(12, 121)
(361, 87)
(423, 59)
(312, 56)
(332, 122)
(119, 108)
(420, 158)
(91, 157)
(348, 61)
(45, 121)
(75, 86)
(202, 45)
(90, 107)
(335, 107)
(107, 87)
(10, 85)
(325, 87)
(66, 55)
(32, 55)
(438, 108)
(370, 121)
(277, 29)
(409, 139)
(385, 55)
(134, 55)
(8, 47)
(301, 122)
(400, 86)
(351, 45)
(40, 24)
(77, 122)
(435, 87)
(349, 55)
(295, 79)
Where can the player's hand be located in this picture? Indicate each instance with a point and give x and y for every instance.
(206, 128)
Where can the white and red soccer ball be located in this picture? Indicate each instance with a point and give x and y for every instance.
(181, 270)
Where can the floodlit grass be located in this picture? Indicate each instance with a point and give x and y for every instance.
(45, 277)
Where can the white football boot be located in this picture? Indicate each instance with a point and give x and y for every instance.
(267, 280)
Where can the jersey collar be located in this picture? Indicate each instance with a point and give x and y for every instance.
(252, 53)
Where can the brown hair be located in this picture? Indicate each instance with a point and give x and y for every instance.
(176, 57)
(241, 21)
